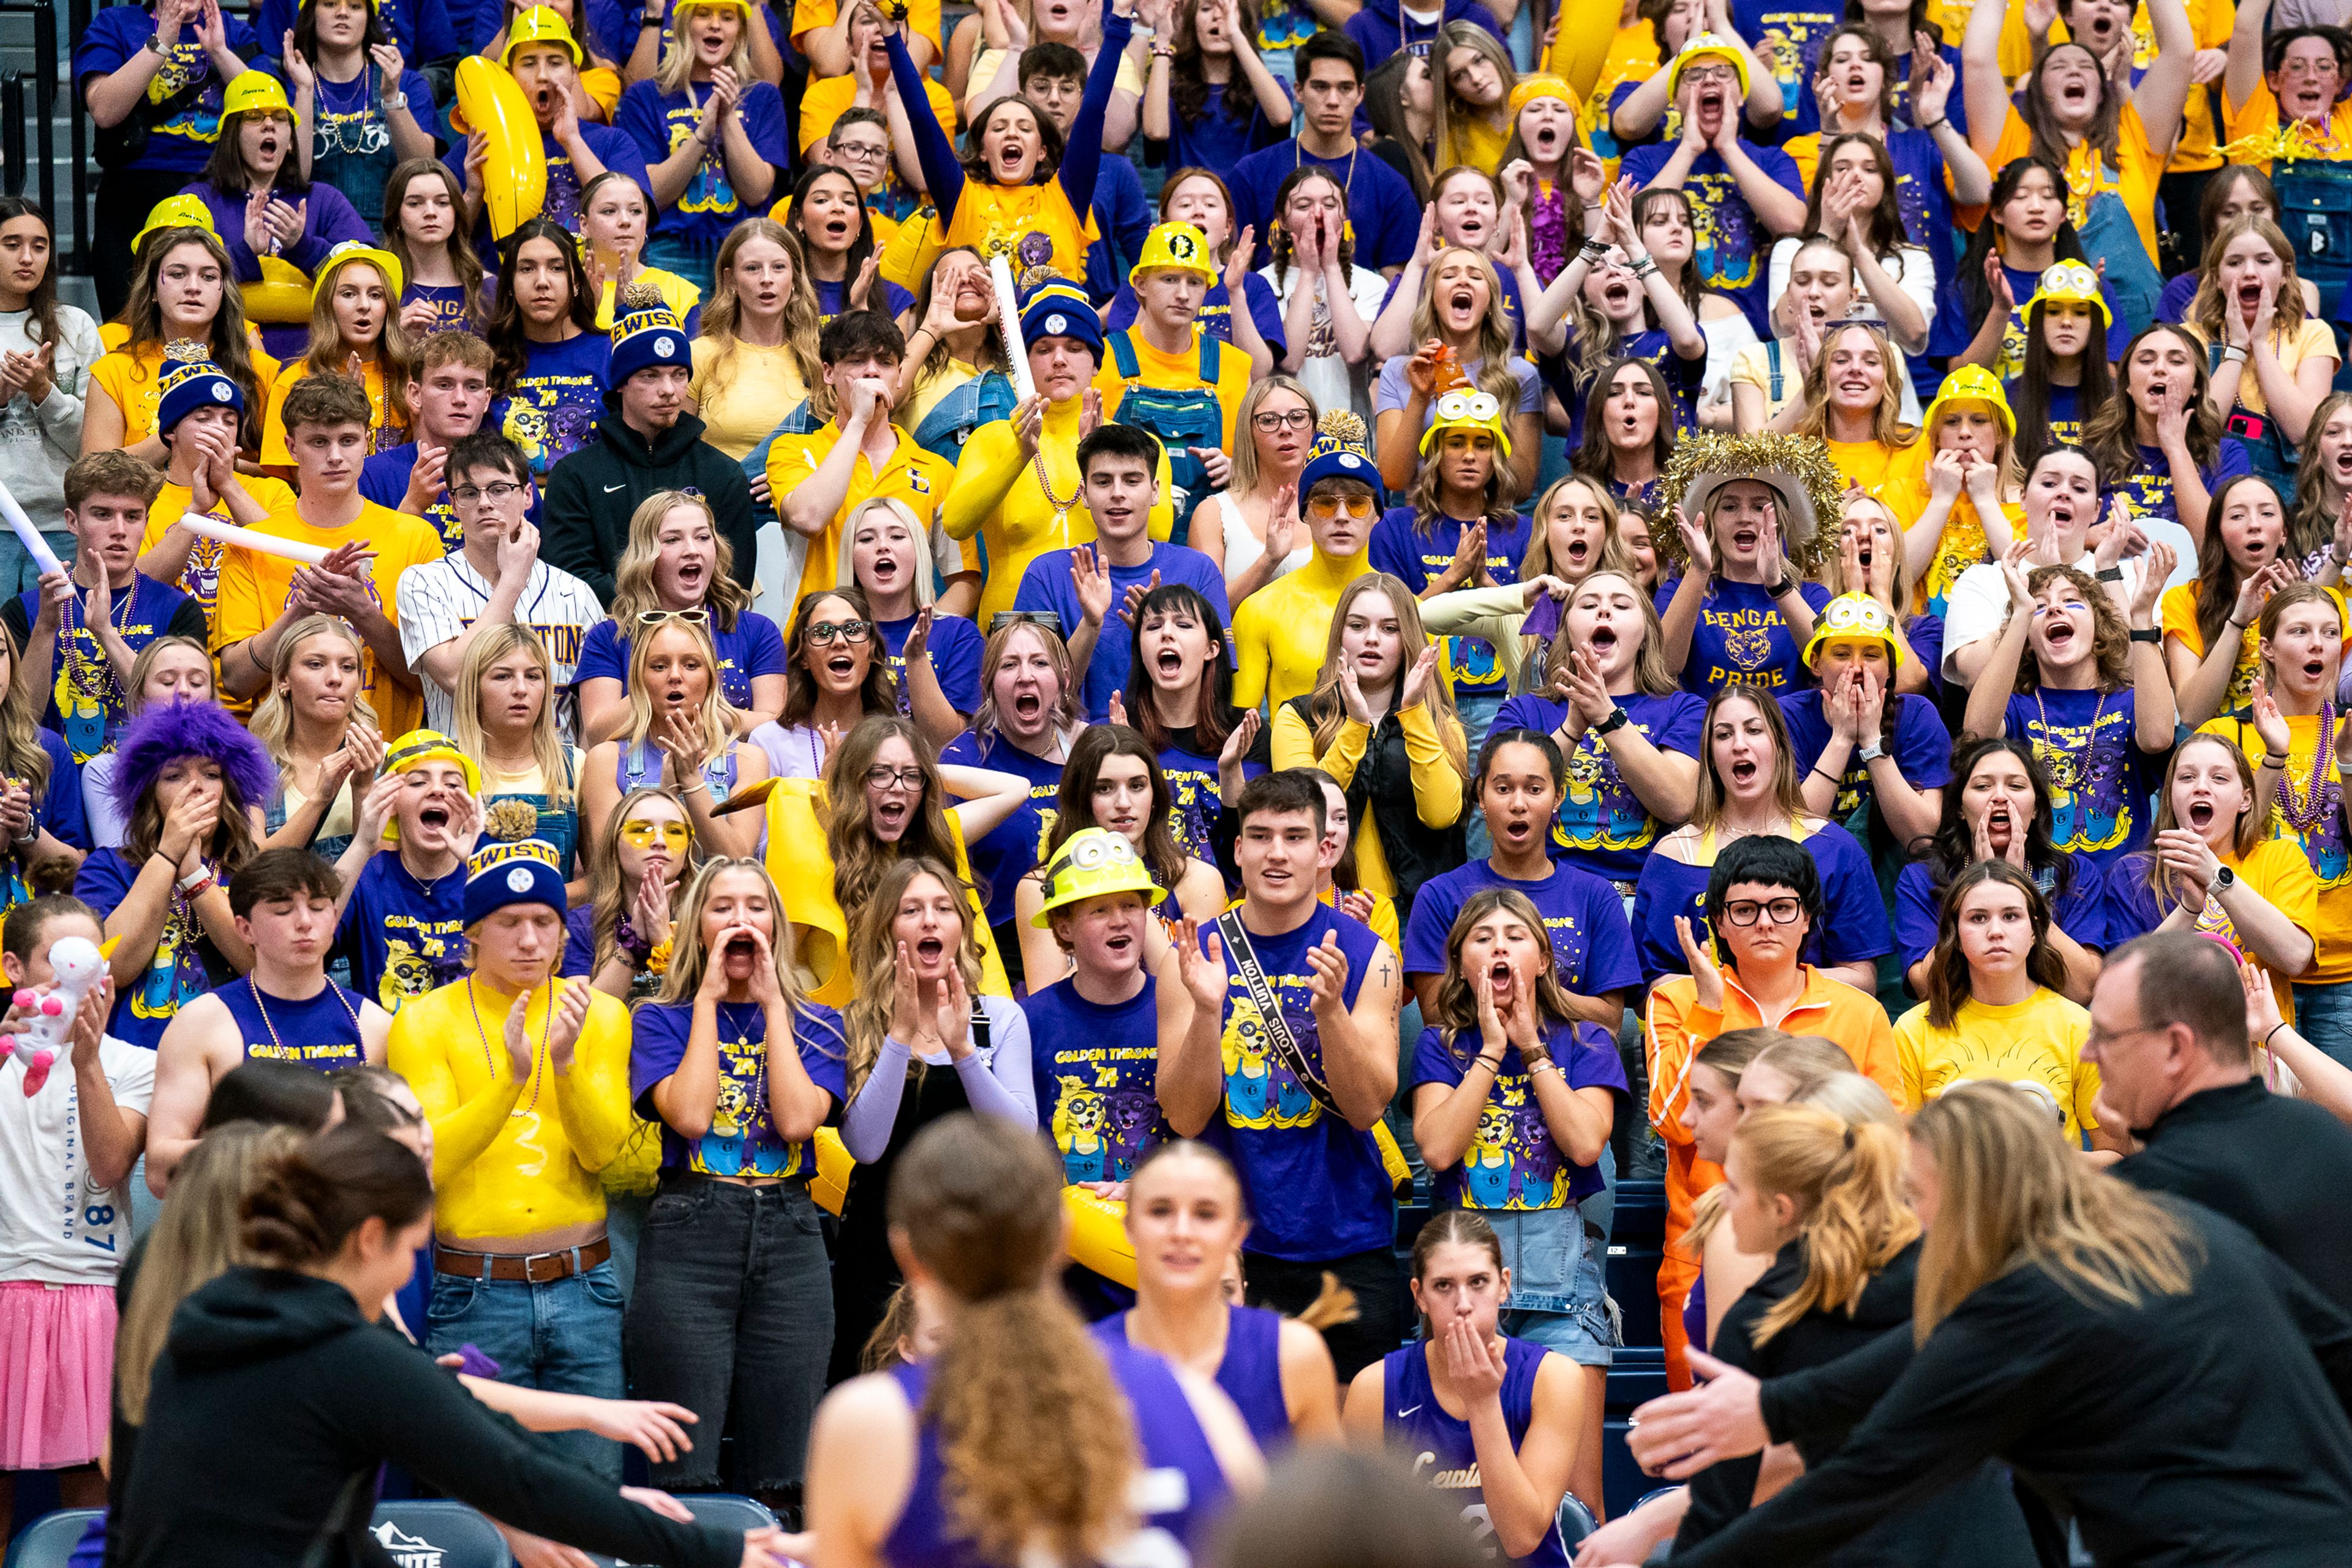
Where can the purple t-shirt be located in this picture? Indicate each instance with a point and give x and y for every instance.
(1048, 585)
(2100, 780)
(1096, 1068)
(1922, 748)
(1592, 947)
(1742, 635)
(1513, 1162)
(2080, 911)
(742, 1140)
(754, 648)
(1602, 827)
(953, 652)
(1734, 249)
(1471, 663)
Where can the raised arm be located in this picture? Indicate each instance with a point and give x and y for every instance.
(942, 175)
(2244, 72)
(1082, 156)
(1986, 89)
(2161, 95)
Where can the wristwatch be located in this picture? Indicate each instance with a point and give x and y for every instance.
(155, 42)
(2147, 634)
(395, 102)
(1785, 586)
(1618, 719)
(2223, 881)
(1870, 751)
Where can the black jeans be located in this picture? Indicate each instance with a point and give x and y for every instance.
(733, 1309)
(1382, 1303)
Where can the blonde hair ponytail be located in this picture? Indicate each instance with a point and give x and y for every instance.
(1848, 1181)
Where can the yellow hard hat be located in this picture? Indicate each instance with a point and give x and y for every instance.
(176, 211)
(1090, 863)
(252, 91)
(1971, 383)
(383, 261)
(2073, 283)
(678, 10)
(538, 26)
(1859, 617)
(1178, 245)
(1699, 48)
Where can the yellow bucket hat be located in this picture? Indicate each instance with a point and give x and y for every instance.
(1178, 245)
(2072, 284)
(1970, 384)
(255, 90)
(1466, 408)
(537, 26)
(1859, 617)
(1700, 46)
(383, 261)
(176, 211)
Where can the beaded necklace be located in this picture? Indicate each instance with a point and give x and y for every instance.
(102, 685)
(760, 1080)
(2306, 814)
(2066, 766)
(349, 1012)
(546, 1023)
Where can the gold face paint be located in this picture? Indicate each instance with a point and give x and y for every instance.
(639, 834)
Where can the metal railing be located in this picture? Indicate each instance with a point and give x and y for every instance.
(28, 117)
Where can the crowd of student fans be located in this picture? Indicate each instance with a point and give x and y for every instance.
(1322, 606)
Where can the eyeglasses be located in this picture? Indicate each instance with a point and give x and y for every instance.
(1748, 911)
(1715, 74)
(2099, 1039)
(493, 493)
(824, 633)
(1330, 506)
(862, 149)
(1273, 419)
(881, 776)
(655, 617)
(639, 834)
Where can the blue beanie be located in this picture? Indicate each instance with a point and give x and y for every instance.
(518, 873)
(1060, 310)
(645, 333)
(1340, 453)
(191, 381)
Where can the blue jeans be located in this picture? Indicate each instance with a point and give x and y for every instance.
(689, 261)
(18, 569)
(563, 1337)
(2323, 1015)
(1477, 713)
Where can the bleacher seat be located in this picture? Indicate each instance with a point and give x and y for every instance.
(49, 1541)
(1636, 1248)
(439, 1533)
(727, 1510)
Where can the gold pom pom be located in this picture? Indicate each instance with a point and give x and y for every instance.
(186, 351)
(1344, 426)
(510, 820)
(1797, 466)
(638, 296)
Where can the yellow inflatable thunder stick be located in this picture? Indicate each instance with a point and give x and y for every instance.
(515, 182)
(1580, 48)
(1098, 1226)
(801, 861)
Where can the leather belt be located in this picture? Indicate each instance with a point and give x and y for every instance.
(527, 1269)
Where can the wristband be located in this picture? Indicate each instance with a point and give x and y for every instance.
(2233, 354)
(1936, 124)
(2272, 760)
(658, 961)
(1494, 1064)
(2112, 574)
(2150, 636)
(2269, 1033)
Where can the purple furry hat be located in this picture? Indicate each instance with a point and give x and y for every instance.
(181, 728)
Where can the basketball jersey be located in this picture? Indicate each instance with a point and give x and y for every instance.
(1439, 1446)
(1180, 1489)
(321, 1033)
(1251, 1373)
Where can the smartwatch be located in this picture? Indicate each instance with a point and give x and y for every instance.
(155, 42)
(2148, 634)
(1870, 751)
(1618, 719)
(1785, 586)
(2223, 881)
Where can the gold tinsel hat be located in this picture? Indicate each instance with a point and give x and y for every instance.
(1796, 469)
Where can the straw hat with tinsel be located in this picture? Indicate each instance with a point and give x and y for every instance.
(1796, 469)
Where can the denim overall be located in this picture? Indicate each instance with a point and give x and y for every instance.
(1180, 419)
(984, 399)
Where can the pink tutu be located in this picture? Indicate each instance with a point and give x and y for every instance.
(57, 1363)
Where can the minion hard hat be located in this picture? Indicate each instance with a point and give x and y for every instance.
(1970, 384)
(1178, 245)
(2072, 284)
(176, 211)
(537, 26)
(1466, 408)
(1699, 47)
(1858, 617)
(255, 92)
(1089, 864)
(351, 251)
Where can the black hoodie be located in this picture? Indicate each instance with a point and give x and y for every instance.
(591, 494)
(275, 1404)
(1974, 1524)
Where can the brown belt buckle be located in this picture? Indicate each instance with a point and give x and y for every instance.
(561, 1260)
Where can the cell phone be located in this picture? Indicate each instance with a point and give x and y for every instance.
(2246, 427)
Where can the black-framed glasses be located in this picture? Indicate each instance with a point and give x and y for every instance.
(1748, 911)
(494, 492)
(1273, 419)
(824, 633)
(882, 775)
(862, 149)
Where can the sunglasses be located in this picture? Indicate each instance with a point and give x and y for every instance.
(1331, 506)
(639, 834)
(824, 633)
(655, 617)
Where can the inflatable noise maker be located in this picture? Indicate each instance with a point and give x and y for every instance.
(79, 963)
(230, 533)
(515, 182)
(281, 297)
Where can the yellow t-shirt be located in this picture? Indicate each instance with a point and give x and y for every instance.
(922, 16)
(1870, 464)
(761, 385)
(2038, 1040)
(1751, 366)
(828, 98)
(130, 378)
(1962, 543)
(2132, 175)
(2177, 614)
(678, 294)
(2277, 871)
(2322, 848)
(2309, 338)
(1280, 631)
(201, 578)
(2256, 120)
(1177, 373)
(911, 475)
(383, 433)
(1478, 144)
(1031, 224)
(254, 587)
(509, 1159)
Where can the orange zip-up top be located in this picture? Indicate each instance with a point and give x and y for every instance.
(1678, 1029)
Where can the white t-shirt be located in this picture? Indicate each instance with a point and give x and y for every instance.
(1323, 373)
(40, 441)
(439, 599)
(58, 1226)
(1979, 601)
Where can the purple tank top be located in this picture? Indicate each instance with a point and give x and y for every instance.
(1439, 1447)
(1251, 1373)
(1182, 1490)
(1694, 1314)
(321, 1033)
